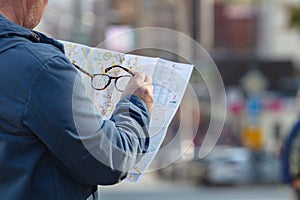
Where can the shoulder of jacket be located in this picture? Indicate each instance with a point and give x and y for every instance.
(42, 52)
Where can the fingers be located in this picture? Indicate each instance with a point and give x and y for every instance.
(141, 86)
(148, 79)
(139, 77)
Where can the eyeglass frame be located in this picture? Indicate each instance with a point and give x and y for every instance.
(116, 78)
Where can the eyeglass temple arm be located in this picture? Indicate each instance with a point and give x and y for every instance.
(82, 70)
(118, 66)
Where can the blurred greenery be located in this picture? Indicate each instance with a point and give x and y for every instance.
(294, 20)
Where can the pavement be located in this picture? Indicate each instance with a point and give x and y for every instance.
(152, 188)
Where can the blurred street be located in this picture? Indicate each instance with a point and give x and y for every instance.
(150, 188)
(254, 47)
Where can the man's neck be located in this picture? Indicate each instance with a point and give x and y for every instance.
(11, 15)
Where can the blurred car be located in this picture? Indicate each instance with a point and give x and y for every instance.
(227, 165)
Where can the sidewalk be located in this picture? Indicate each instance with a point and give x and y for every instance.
(151, 188)
(148, 183)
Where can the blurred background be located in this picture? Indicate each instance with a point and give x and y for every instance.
(255, 45)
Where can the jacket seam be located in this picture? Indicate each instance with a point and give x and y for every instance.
(36, 57)
(33, 83)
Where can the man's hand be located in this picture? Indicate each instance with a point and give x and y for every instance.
(141, 85)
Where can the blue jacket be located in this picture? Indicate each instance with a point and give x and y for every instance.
(44, 154)
(286, 151)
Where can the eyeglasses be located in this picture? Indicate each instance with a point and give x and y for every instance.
(102, 81)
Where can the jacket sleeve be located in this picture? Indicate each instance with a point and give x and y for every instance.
(91, 150)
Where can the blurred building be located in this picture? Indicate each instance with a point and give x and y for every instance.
(277, 40)
(229, 25)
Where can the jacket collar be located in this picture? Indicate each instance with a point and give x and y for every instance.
(10, 29)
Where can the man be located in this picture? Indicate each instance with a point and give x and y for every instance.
(291, 160)
(53, 145)
(290, 157)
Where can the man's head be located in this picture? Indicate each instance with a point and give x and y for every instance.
(27, 13)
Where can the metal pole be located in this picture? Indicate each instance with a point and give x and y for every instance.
(101, 9)
(76, 27)
(194, 24)
(195, 21)
(207, 24)
(252, 30)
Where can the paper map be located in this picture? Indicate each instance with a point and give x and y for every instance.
(170, 80)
